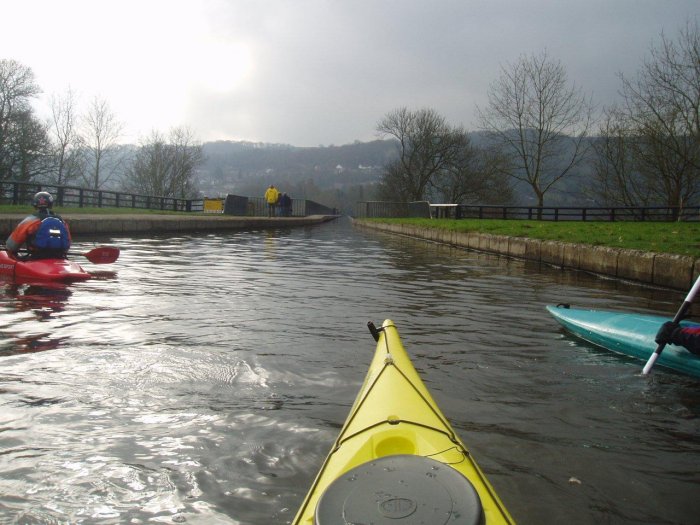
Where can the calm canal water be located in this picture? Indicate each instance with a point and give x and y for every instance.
(206, 378)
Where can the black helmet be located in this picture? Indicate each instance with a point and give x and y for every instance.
(43, 199)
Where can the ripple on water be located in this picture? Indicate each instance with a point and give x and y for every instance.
(205, 381)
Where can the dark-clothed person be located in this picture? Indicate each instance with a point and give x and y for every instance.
(675, 334)
(285, 205)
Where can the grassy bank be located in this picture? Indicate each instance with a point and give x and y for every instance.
(681, 238)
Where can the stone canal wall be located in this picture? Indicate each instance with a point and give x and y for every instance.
(116, 224)
(665, 270)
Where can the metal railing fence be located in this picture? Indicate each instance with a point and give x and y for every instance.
(18, 193)
(13, 192)
(545, 213)
(258, 207)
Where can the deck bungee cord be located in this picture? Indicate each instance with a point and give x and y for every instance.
(397, 459)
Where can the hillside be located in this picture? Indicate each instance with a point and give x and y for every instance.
(337, 176)
(334, 175)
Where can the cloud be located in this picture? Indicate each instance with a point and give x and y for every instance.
(312, 72)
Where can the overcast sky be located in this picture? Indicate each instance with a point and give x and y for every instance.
(312, 72)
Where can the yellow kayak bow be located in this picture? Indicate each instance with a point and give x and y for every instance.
(397, 460)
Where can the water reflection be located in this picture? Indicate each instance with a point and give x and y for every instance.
(207, 379)
(43, 299)
(42, 302)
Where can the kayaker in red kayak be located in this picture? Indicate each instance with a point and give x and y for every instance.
(45, 234)
(675, 334)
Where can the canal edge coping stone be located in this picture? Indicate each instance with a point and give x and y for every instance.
(85, 224)
(661, 269)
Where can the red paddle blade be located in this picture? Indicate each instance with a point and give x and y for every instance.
(102, 255)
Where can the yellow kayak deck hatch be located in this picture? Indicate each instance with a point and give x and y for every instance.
(403, 489)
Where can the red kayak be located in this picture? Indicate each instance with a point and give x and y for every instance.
(41, 269)
(56, 270)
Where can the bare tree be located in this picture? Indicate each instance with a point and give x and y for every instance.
(165, 167)
(476, 176)
(394, 185)
(188, 154)
(63, 127)
(17, 88)
(661, 111)
(427, 145)
(101, 130)
(617, 180)
(28, 146)
(538, 120)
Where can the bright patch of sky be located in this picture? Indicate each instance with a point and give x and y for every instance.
(310, 72)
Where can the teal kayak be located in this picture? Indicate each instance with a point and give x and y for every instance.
(630, 334)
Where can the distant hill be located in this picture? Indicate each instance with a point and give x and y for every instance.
(253, 156)
(336, 176)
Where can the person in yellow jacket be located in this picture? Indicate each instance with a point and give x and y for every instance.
(272, 195)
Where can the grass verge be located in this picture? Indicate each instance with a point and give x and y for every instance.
(682, 238)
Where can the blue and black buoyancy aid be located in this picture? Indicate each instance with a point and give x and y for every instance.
(52, 235)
